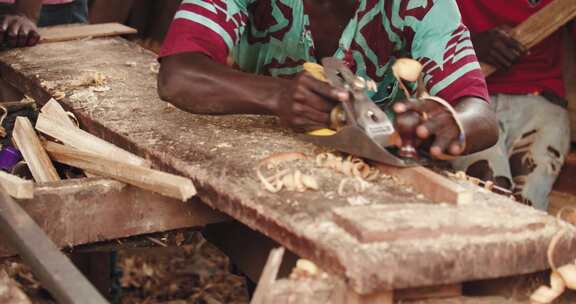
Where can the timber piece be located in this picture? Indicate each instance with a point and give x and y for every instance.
(12, 106)
(54, 110)
(403, 222)
(10, 292)
(540, 25)
(153, 180)
(54, 270)
(82, 31)
(219, 153)
(16, 187)
(268, 277)
(31, 148)
(432, 185)
(84, 211)
(85, 141)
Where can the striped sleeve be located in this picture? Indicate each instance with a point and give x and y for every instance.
(441, 42)
(211, 27)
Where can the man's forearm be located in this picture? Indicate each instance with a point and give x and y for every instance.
(193, 82)
(28, 8)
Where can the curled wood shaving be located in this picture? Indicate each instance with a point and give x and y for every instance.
(304, 269)
(58, 95)
(561, 278)
(351, 166)
(4, 115)
(289, 179)
(488, 185)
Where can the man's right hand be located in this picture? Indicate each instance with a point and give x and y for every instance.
(306, 103)
(497, 47)
(18, 31)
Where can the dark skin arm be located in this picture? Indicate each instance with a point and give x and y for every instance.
(18, 29)
(304, 103)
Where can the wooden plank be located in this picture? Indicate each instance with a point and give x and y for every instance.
(56, 273)
(29, 144)
(219, 153)
(432, 185)
(97, 209)
(82, 31)
(153, 180)
(85, 141)
(540, 25)
(401, 222)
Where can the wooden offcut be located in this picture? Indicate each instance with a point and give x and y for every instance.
(153, 180)
(54, 110)
(268, 277)
(29, 144)
(432, 185)
(16, 187)
(540, 25)
(58, 128)
(82, 31)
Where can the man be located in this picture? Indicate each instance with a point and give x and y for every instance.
(265, 38)
(18, 18)
(527, 94)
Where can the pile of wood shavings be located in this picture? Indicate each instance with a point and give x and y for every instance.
(288, 178)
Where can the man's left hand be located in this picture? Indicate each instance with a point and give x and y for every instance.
(18, 31)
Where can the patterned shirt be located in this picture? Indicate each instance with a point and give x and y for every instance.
(272, 37)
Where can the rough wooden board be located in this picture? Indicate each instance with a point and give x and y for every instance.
(220, 154)
(80, 31)
(432, 185)
(403, 222)
(83, 211)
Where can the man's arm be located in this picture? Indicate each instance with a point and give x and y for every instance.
(18, 28)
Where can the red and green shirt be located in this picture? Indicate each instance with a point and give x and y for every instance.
(272, 37)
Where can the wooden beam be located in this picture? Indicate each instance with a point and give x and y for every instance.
(16, 187)
(540, 25)
(145, 178)
(29, 144)
(76, 212)
(54, 270)
(432, 185)
(56, 112)
(85, 141)
(75, 32)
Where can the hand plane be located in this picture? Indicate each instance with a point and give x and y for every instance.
(358, 126)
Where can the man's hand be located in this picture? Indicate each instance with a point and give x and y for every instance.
(497, 48)
(18, 31)
(306, 103)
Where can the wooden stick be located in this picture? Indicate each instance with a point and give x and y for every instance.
(51, 267)
(432, 185)
(156, 181)
(17, 187)
(540, 25)
(12, 106)
(56, 112)
(85, 141)
(29, 144)
(75, 32)
(268, 276)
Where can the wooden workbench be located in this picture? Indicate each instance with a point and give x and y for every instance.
(420, 243)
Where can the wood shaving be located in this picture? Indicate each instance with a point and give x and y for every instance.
(154, 67)
(351, 166)
(488, 185)
(101, 89)
(561, 278)
(305, 269)
(2, 118)
(289, 179)
(93, 79)
(58, 95)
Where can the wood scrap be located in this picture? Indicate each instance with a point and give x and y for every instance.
(85, 141)
(17, 187)
(55, 111)
(31, 148)
(74, 32)
(540, 25)
(12, 106)
(432, 185)
(153, 180)
(268, 276)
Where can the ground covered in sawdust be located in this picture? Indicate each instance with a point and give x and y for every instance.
(195, 273)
